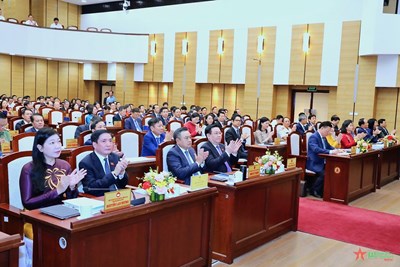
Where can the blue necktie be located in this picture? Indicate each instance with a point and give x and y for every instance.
(107, 169)
(228, 168)
(158, 140)
(137, 126)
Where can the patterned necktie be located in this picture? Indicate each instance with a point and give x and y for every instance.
(158, 140)
(107, 169)
(137, 126)
(228, 168)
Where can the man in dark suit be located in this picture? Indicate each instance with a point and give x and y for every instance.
(220, 158)
(164, 115)
(26, 119)
(85, 127)
(302, 126)
(121, 114)
(154, 137)
(317, 144)
(182, 159)
(37, 123)
(104, 168)
(234, 133)
(221, 119)
(134, 122)
(383, 129)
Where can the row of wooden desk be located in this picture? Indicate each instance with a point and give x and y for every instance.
(221, 222)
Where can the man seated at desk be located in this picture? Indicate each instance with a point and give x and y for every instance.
(182, 159)
(37, 123)
(220, 158)
(105, 170)
(235, 133)
(26, 119)
(317, 144)
(154, 137)
(284, 130)
(134, 122)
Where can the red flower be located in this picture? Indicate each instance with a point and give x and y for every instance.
(146, 185)
(390, 137)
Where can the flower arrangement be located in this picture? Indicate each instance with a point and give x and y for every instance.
(157, 184)
(362, 146)
(270, 162)
(390, 140)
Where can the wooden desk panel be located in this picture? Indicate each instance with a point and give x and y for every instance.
(257, 151)
(348, 178)
(9, 246)
(388, 169)
(253, 212)
(174, 232)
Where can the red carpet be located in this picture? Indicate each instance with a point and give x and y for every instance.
(371, 229)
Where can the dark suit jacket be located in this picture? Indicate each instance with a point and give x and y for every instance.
(231, 135)
(219, 123)
(369, 137)
(117, 117)
(79, 129)
(31, 130)
(179, 166)
(215, 161)
(384, 132)
(19, 124)
(150, 144)
(315, 146)
(301, 129)
(130, 124)
(96, 177)
(164, 121)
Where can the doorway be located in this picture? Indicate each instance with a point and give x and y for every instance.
(316, 103)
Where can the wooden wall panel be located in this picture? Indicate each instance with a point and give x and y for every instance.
(347, 67)
(52, 12)
(29, 76)
(38, 12)
(52, 78)
(95, 71)
(365, 105)
(190, 93)
(179, 62)
(103, 69)
(17, 75)
(143, 94)
(227, 57)
(124, 83)
(153, 94)
(297, 56)
(15, 9)
(62, 12)
(149, 67)
(204, 95)
(314, 56)
(282, 100)
(240, 98)
(163, 92)
(214, 60)
(217, 95)
(230, 98)
(74, 13)
(73, 84)
(129, 92)
(63, 80)
(158, 66)
(5, 74)
(41, 78)
(250, 86)
(386, 100)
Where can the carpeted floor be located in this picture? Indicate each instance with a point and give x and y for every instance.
(372, 229)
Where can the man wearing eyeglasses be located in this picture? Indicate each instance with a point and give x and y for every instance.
(234, 133)
(182, 160)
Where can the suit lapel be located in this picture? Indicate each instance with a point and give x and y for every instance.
(96, 163)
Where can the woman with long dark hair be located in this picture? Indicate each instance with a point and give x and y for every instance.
(349, 139)
(264, 132)
(46, 178)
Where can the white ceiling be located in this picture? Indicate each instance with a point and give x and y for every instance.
(88, 2)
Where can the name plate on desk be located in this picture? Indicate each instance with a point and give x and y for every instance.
(291, 163)
(116, 200)
(13, 132)
(118, 123)
(253, 171)
(5, 147)
(198, 182)
(353, 150)
(277, 141)
(71, 143)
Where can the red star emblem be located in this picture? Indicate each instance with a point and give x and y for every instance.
(360, 254)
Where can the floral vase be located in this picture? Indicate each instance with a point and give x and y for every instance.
(269, 171)
(154, 197)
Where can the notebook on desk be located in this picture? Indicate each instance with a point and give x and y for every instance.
(60, 211)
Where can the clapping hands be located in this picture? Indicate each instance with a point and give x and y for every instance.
(202, 155)
(233, 146)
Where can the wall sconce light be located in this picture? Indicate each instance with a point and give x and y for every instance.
(153, 48)
(220, 49)
(260, 44)
(306, 42)
(185, 47)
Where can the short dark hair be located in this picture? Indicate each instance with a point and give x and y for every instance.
(194, 115)
(345, 124)
(153, 121)
(93, 124)
(135, 110)
(279, 117)
(371, 123)
(361, 121)
(311, 115)
(56, 19)
(220, 112)
(177, 133)
(96, 135)
(25, 110)
(35, 114)
(235, 115)
(165, 103)
(335, 118)
(261, 121)
(162, 109)
(325, 124)
(380, 121)
(210, 127)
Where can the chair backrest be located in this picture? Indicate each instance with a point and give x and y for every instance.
(25, 127)
(129, 142)
(72, 27)
(108, 119)
(226, 128)
(23, 142)
(306, 137)
(11, 167)
(92, 29)
(199, 143)
(249, 122)
(84, 136)
(67, 131)
(45, 111)
(161, 155)
(105, 30)
(173, 125)
(146, 119)
(56, 117)
(76, 156)
(12, 20)
(249, 130)
(14, 121)
(75, 116)
(276, 129)
(294, 144)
